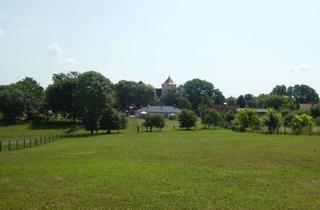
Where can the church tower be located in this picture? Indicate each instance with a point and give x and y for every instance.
(168, 84)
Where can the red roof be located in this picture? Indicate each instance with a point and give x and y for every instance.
(169, 81)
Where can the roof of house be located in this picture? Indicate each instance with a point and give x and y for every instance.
(159, 109)
(169, 81)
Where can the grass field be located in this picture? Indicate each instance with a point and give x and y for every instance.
(203, 169)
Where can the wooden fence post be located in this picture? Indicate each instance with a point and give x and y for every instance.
(24, 143)
(17, 147)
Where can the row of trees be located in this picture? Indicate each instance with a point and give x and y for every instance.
(86, 96)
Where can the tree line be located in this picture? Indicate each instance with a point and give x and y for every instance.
(94, 100)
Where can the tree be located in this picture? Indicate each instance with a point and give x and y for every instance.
(315, 111)
(287, 119)
(170, 97)
(11, 103)
(59, 96)
(279, 90)
(231, 101)
(183, 103)
(138, 93)
(156, 121)
(187, 119)
(301, 122)
(112, 120)
(275, 101)
(303, 94)
(218, 97)
(317, 121)
(94, 92)
(229, 115)
(32, 95)
(247, 118)
(273, 120)
(210, 117)
(197, 90)
(241, 101)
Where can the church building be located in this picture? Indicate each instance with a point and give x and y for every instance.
(168, 84)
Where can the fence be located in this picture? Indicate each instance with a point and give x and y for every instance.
(13, 145)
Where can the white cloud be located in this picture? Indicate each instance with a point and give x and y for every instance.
(71, 61)
(1, 32)
(303, 68)
(54, 49)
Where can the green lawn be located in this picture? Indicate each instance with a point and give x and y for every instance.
(203, 169)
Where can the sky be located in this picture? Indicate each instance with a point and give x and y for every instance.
(246, 46)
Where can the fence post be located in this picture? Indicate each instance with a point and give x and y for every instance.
(40, 140)
(30, 142)
(24, 143)
(17, 147)
(9, 148)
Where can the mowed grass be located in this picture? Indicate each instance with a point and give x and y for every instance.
(203, 169)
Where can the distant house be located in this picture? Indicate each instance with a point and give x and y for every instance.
(224, 107)
(259, 111)
(161, 110)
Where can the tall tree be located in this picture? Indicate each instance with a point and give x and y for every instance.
(129, 92)
(60, 94)
(196, 90)
(11, 103)
(33, 95)
(94, 92)
(280, 90)
(303, 94)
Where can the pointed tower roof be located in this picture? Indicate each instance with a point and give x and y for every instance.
(169, 81)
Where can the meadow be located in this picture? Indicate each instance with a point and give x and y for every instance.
(171, 169)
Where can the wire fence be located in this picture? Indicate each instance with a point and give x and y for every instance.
(13, 145)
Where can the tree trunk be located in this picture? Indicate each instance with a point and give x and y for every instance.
(91, 132)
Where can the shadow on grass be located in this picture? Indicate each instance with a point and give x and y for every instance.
(87, 135)
(51, 125)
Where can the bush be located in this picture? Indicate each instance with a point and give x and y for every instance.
(301, 122)
(273, 120)
(156, 121)
(210, 117)
(247, 118)
(187, 119)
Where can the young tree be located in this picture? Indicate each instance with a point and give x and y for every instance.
(301, 122)
(94, 92)
(273, 120)
(187, 119)
(229, 115)
(247, 118)
(156, 121)
(210, 117)
(111, 120)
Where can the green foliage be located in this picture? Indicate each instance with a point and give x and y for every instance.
(273, 120)
(210, 117)
(218, 97)
(94, 92)
(137, 93)
(183, 103)
(315, 111)
(301, 122)
(197, 90)
(12, 104)
(317, 121)
(229, 116)
(187, 119)
(247, 118)
(303, 94)
(112, 120)
(156, 121)
(241, 101)
(60, 95)
(279, 90)
(231, 101)
(33, 95)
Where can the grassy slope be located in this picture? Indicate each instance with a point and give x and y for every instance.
(172, 169)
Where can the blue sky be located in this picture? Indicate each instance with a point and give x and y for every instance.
(245, 46)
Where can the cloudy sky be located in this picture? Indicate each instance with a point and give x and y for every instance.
(239, 46)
